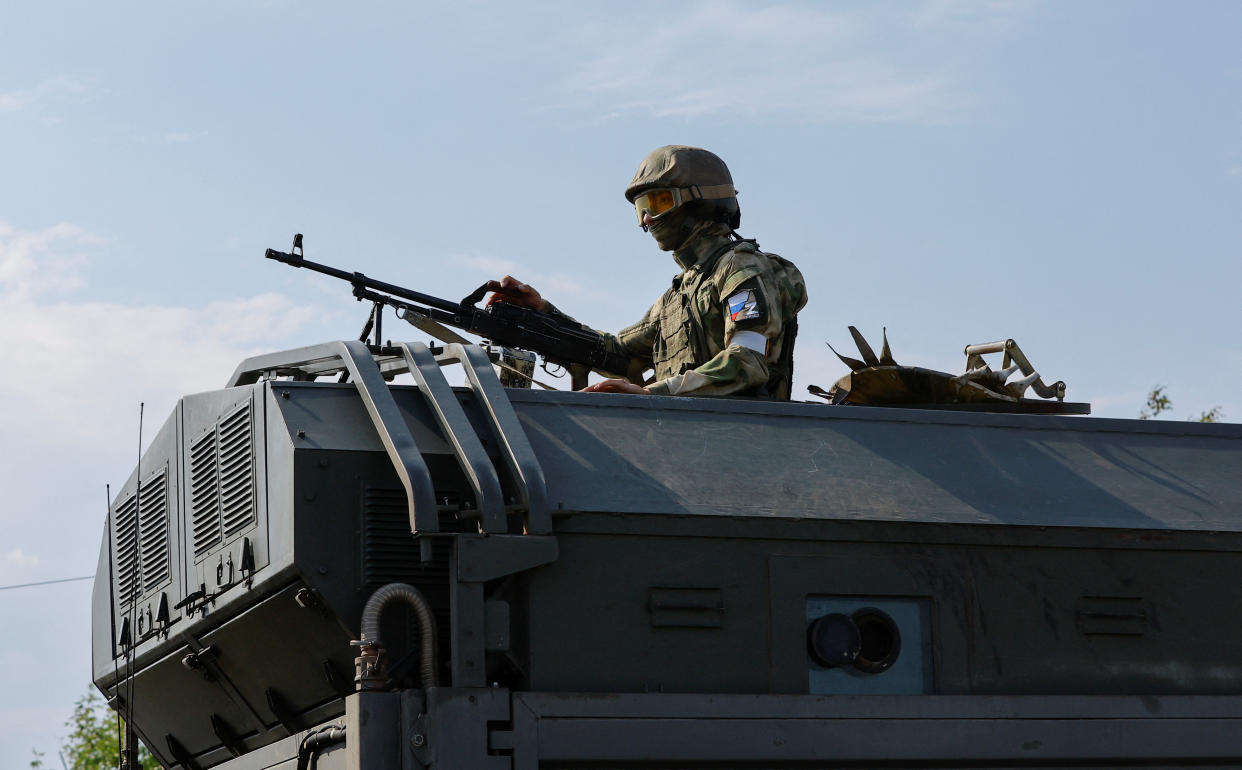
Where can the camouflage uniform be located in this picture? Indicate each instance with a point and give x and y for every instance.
(727, 324)
(683, 335)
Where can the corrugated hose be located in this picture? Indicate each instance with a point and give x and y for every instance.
(426, 624)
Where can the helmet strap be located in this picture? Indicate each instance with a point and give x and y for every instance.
(711, 192)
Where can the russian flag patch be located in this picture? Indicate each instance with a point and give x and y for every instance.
(743, 306)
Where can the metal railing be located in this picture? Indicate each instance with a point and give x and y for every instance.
(370, 368)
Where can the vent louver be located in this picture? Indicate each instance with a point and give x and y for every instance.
(204, 494)
(125, 526)
(222, 500)
(390, 554)
(236, 472)
(153, 531)
(141, 555)
(389, 551)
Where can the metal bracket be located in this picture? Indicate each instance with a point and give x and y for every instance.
(480, 559)
(471, 455)
(1014, 355)
(227, 736)
(393, 432)
(520, 458)
(457, 725)
(179, 753)
(207, 657)
(369, 370)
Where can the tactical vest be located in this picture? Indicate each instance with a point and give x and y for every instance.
(683, 343)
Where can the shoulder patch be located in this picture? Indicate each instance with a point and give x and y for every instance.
(743, 305)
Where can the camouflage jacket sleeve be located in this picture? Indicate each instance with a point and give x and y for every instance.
(634, 340)
(733, 370)
(755, 293)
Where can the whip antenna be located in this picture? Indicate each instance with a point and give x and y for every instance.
(129, 747)
(116, 668)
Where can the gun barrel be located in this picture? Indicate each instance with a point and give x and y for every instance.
(359, 279)
(280, 256)
(555, 339)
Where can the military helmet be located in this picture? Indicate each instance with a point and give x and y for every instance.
(691, 175)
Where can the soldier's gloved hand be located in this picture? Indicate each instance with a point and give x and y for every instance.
(615, 386)
(510, 289)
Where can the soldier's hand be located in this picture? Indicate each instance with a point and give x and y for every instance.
(510, 289)
(615, 386)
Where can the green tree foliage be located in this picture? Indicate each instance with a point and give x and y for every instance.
(1158, 401)
(1212, 415)
(92, 742)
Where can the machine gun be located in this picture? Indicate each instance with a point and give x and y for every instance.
(558, 339)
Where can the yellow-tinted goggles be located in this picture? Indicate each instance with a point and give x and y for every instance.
(658, 200)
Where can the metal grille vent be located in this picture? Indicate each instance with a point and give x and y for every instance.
(389, 552)
(236, 472)
(141, 556)
(153, 531)
(222, 481)
(204, 494)
(125, 543)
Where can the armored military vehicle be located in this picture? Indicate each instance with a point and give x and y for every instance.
(318, 565)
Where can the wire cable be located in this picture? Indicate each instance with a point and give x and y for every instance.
(45, 582)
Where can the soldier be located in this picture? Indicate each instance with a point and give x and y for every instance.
(727, 324)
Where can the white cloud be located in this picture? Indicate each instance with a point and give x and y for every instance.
(18, 558)
(62, 88)
(1233, 171)
(79, 360)
(811, 62)
(947, 13)
(53, 251)
(550, 284)
(96, 355)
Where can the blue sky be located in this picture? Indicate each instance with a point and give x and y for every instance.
(1066, 174)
